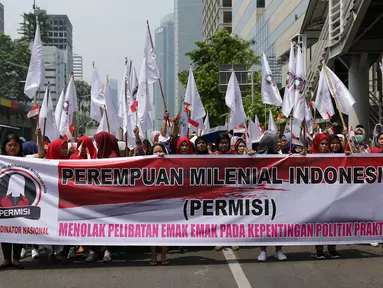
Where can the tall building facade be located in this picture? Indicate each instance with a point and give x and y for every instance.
(270, 25)
(1, 18)
(55, 72)
(77, 67)
(61, 36)
(217, 15)
(187, 31)
(164, 42)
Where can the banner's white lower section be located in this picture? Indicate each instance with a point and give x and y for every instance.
(192, 201)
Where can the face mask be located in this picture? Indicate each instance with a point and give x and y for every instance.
(359, 138)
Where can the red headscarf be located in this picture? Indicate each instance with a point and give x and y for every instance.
(318, 138)
(180, 141)
(107, 145)
(54, 150)
(85, 140)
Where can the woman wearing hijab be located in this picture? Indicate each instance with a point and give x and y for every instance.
(85, 149)
(184, 146)
(270, 144)
(335, 144)
(359, 145)
(201, 147)
(379, 144)
(159, 150)
(285, 143)
(107, 147)
(240, 147)
(12, 147)
(321, 145)
(57, 150)
(377, 130)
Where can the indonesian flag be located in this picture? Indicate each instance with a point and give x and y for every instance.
(280, 119)
(34, 111)
(331, 131)
(134, 106)
(68, 133)
(193, 123)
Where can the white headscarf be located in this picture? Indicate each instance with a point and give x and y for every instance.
(16, 186)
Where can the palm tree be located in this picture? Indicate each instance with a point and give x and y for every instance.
(28, 26)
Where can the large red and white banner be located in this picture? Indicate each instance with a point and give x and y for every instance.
(194, 200)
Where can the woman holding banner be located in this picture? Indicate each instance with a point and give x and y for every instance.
(270, 144)
(12, 146)
(322, 145)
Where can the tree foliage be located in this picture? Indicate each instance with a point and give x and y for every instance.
(222, 48)
(14, 61)
(28, 26)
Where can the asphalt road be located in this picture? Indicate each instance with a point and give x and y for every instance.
(360, 266)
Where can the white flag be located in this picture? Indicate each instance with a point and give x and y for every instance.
(111, 111)
(207, 122)
(339, 91)
(184, 121)
(192, 97)
(36, 70)
(97, 98)
(272, 127)
(122, 100)
(148, 75)
(270, 92)
(309, 118)
(59, 108)
(296, 127)
(132, 84)
(289, 96)
(69, 107)
(233, 100)
(300, 85)
(47, 113)
(103, 126)
(323, 101)
(255, 132)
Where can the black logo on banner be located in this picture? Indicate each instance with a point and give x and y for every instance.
(21, 190)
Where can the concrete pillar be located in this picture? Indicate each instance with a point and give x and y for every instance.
(358, 84)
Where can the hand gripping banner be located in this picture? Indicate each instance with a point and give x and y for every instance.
(193, 200)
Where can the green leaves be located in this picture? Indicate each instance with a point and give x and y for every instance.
(28, 26)
(14, 61)
(222, 48)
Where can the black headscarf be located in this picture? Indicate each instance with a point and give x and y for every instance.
(331, 138)
(267, 144)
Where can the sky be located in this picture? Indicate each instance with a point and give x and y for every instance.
(103, 31)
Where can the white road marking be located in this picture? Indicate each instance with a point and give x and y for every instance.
(236, 269)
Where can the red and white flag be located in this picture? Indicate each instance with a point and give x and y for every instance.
(192, 97)
(34, 111)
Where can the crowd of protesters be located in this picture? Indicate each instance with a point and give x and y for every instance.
(105, 145)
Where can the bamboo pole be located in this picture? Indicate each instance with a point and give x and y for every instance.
(45, 119)
(107, 95)
(337, 104)
(126, 101)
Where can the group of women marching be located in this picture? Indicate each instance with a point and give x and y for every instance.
(105, 145)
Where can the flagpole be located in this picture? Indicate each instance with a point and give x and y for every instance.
(107, 95)
(337, 104)
(45, 119)
(291, 134)
(159, 80)
(127, 108)
(74, 120)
